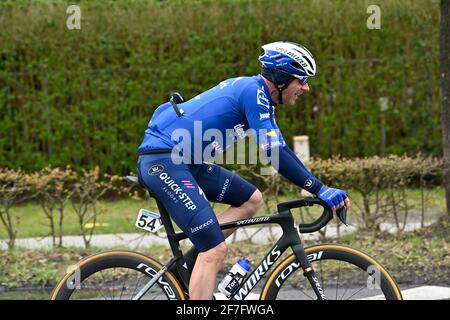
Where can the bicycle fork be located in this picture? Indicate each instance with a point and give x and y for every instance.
(308, 271)
(155, 277)
(150, 284)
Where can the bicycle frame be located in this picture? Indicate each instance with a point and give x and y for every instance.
(290, 238)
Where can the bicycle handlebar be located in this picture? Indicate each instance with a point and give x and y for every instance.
(322, 221)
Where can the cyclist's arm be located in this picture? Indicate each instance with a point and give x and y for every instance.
(290, 167)
(268, 136)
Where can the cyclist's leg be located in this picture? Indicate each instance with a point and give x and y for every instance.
(175, 187)
(222, 185)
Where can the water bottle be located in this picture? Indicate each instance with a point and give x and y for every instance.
(234, 277)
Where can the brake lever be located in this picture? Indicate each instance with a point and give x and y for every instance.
(342, 215)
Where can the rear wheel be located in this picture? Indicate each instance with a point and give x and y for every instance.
(116, 275)
(345, 273)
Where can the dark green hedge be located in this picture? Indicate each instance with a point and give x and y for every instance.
(84, 97)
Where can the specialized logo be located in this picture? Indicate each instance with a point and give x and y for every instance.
(293, 55)
(156, 169)
(265, 145)
(319, 288)
(308, 183)
(263, 116)
(202, 226)
(253, 220)
(271, 258)
(261, 99)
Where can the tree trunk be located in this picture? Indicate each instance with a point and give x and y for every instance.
(61, 232)
(445, 93)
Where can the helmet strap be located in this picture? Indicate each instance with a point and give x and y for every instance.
(280, 93)
(280, 83)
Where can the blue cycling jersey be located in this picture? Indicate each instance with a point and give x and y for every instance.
(220, 116)
(216, 119)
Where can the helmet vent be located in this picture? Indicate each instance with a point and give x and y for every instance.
(309, 61)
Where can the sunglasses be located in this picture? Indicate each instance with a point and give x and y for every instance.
(303, 80)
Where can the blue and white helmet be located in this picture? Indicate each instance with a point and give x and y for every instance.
(289, 58)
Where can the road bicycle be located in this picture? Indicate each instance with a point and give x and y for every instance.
(319, 272)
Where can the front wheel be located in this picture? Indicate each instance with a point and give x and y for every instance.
(345, 273)
(116, 275)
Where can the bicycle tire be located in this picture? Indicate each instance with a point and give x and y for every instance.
(96, 263)
(337, 252)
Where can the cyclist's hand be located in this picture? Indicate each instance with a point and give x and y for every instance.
(335, 198)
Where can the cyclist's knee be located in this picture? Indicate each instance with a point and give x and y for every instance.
(256, 201)
(215, 255)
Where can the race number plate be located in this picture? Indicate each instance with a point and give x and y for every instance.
(148, 220)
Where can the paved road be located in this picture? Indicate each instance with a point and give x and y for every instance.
(417, 293)
(135, 240)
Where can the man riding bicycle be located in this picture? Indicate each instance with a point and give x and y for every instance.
(184, 184)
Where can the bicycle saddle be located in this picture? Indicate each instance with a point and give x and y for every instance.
(134, 180)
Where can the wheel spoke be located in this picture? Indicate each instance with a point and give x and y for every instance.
(340, 271)
(321, 274)
(123, 284)
(337, 281)
(355, 293)
(113, 283)
(137, 283)
(104, 281)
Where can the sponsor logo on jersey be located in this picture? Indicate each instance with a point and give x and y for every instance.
(223, 84)
(224, 190)
(261, 99)
(271, 134)
(216, 145)
(154, 170)
(202, 226)
(308, 183)
(175, 192)
(263, 116)
(239, 129)
(188, 184)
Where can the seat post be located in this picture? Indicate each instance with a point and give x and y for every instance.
(178, 270)
(167, 222)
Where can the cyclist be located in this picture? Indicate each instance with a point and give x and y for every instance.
(171, 164)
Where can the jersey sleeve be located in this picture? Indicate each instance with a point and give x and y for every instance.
(261, 118)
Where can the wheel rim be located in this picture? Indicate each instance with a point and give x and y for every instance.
(117, 283)
(339, 272)
(340, 280)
